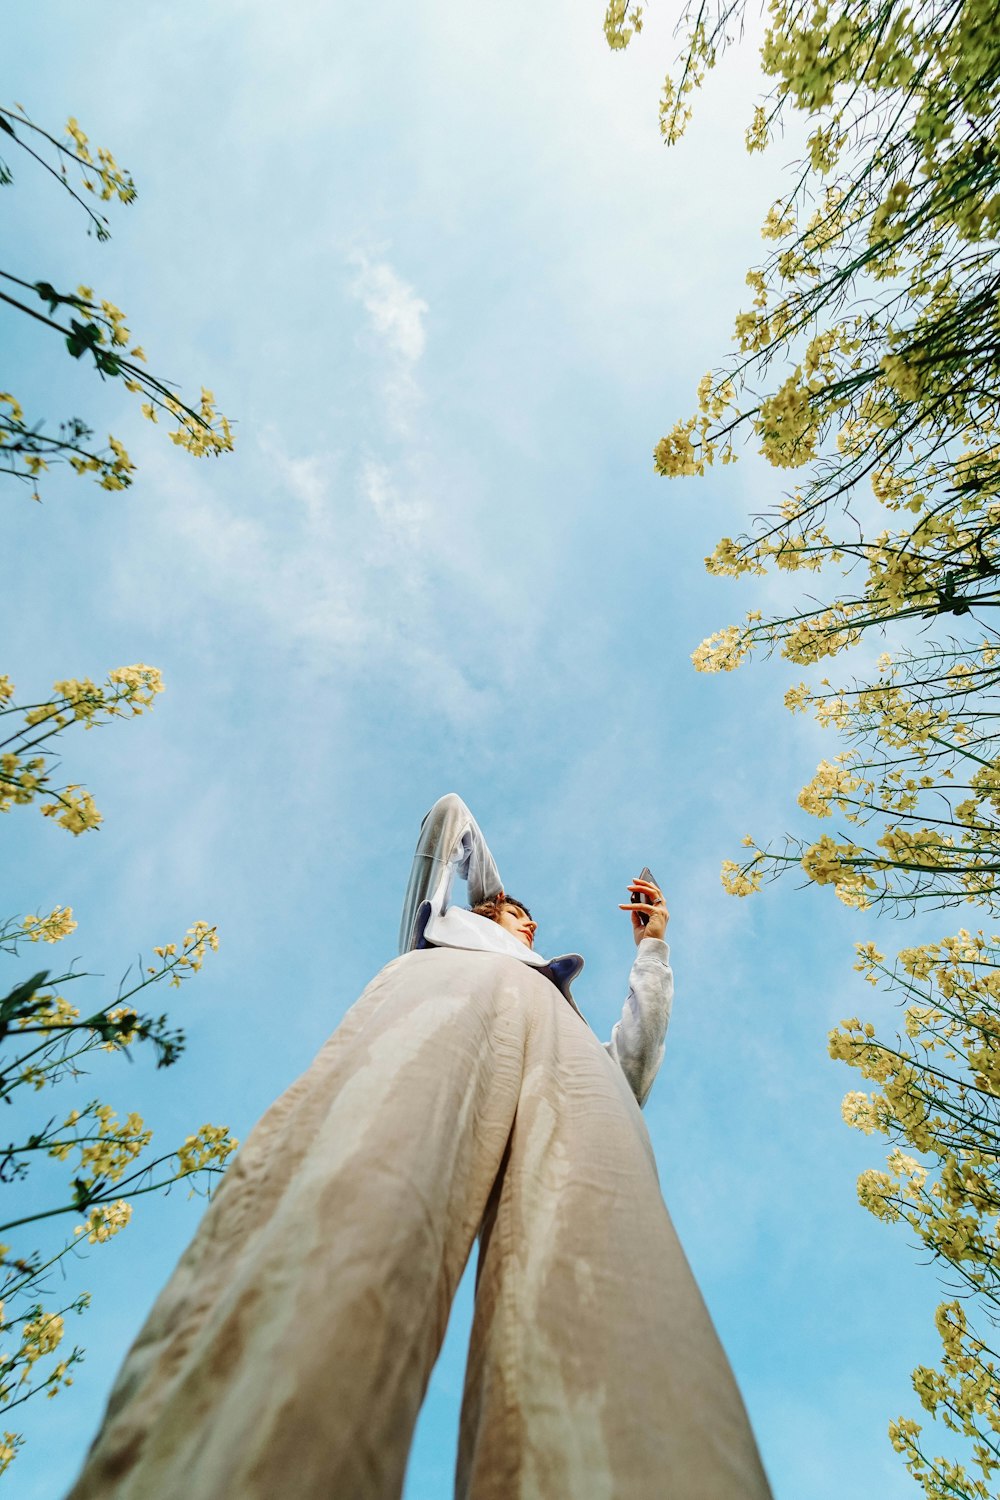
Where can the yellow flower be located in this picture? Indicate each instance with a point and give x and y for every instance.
(9, 1445)
(865, 1112)
(756, 134)
(40, 1336)
(74, 810)
(788, 425)
(209, 1147)
(742, 881)
(51, 929)
(675, 454)
(104, 1221)
(876, 1191)
(723, 651)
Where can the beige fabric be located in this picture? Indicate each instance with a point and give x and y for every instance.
(289, 1354)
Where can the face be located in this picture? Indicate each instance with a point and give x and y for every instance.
(517, 921)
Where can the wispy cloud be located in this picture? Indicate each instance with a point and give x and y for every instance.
(396, 312)
(396, 317)
(337, 552)
(400, 517)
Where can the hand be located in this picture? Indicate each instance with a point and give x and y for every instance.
(654, 909)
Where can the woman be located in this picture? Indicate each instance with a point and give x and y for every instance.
(462, 1095)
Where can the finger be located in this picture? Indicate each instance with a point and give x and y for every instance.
(644, 885)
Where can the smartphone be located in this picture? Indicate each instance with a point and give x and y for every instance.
(639, 900)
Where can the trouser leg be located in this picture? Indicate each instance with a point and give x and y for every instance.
(289, 1353)
(594, 1369)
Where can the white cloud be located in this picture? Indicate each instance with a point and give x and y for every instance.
(396, 317)
(395, 310)
(335, 563)
(399, 517)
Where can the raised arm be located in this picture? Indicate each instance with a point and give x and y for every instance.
(637, 1040)
(450, 844)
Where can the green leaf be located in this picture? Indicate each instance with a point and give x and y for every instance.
(106, 362)
(19, 997)
(84, 336)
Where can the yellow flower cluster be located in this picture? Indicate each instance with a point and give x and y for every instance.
(715, 396)
(788, 423)
(779, 223)
(841, 865)
(676, 454)
(209, 1148)
(730, 560)
(20, 779)
(921, 846)
(825, 147)
(688, 448)
(14, 407)
(104, 1221)
(54, 1011)
(833, 783)
(701, 55)
(876, 1193)
(205, 431)
(965, 1392)
(139, 686)
(833, 711)
(52, 928)
(99, 329)
(824, 634)
(723, 651)
(621, 22)
(107, 179)
(939, 1093)
(39, 1337)
(9, 1445)
(865, 1112)
(869, 961)
(106, 1155)
(125, 1019)
(74, 809)
(757, 133)
(198, 939)
(115, 472)
(742, 880)
(128, 691)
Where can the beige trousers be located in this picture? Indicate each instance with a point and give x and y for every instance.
(288, 1355)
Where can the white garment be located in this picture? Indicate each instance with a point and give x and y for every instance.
(451, 844)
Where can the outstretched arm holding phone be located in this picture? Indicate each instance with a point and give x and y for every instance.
(638, 1039)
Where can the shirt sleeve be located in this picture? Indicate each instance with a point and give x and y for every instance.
(450, 843)
(637, 1040)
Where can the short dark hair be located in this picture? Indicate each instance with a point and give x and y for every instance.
(492, 907)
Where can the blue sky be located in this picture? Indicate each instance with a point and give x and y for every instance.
(437, 265)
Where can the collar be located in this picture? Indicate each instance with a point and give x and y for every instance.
(457, 928)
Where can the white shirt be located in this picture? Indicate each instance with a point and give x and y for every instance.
(451, 845)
